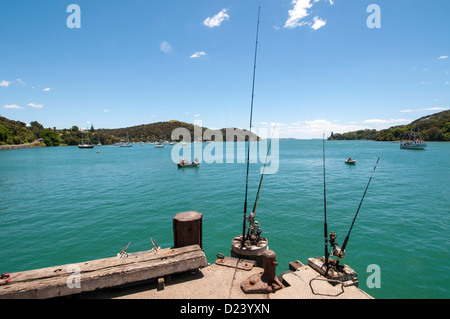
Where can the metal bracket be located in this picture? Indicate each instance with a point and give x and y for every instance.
(123, 253)
(155, 245)
(234, 262)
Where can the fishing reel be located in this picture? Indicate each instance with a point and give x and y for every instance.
(254, 231)
(336, 250)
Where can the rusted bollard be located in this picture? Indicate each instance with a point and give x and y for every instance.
(187, 229)
(266, 281)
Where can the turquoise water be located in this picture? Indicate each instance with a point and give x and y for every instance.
(65, 205)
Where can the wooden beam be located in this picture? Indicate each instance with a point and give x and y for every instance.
(102, 273)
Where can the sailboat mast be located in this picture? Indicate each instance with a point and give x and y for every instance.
(249, 137)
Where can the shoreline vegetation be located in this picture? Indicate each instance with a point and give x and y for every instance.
(434, 127)
(17, 134)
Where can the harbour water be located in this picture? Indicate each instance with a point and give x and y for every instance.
(65, 205)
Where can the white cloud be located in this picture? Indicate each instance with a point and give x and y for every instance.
(197, 55)
(216, 20)
(36, 106)
(436, 108)
(106, 110)
(165, 47)
(21, 82)
(12, 106)
(314, 128)
(277, 124)
(318, 23)
(299, 12)
(5, 83)
(46, 89)
(196, 115)
(442, 57)
(378, 121)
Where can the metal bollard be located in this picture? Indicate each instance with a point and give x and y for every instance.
(187, 229)
(266, 281)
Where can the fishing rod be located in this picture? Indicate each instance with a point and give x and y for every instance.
(249, 137)
(252, 215)
(325, 227)
(341, 252)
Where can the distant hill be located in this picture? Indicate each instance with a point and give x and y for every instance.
(16, 132)
(434, 127)
(162, 131)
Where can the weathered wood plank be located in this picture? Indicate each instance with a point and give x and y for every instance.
(102, 273)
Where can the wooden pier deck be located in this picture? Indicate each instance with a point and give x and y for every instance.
(179, 273)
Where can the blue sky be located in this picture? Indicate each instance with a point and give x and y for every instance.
(320, 67)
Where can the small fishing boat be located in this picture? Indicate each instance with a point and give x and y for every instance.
(159, 145)
(350, 161)
(184, 163)
(413, 143)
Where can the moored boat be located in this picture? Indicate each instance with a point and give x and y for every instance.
(127, 144)
(413, 143)
(350, 161)
(85, 145)
(183, 163)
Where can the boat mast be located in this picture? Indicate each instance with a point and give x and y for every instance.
(249, 137)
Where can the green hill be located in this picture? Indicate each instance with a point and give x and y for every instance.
(162, 131)
(16, 132)
(434, 127)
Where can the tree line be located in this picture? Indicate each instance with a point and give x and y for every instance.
(17, 132)
(435, 127)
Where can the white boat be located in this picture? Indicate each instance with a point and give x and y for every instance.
(159, 145)
(85, 145)
(127, 144)
(414, 143)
